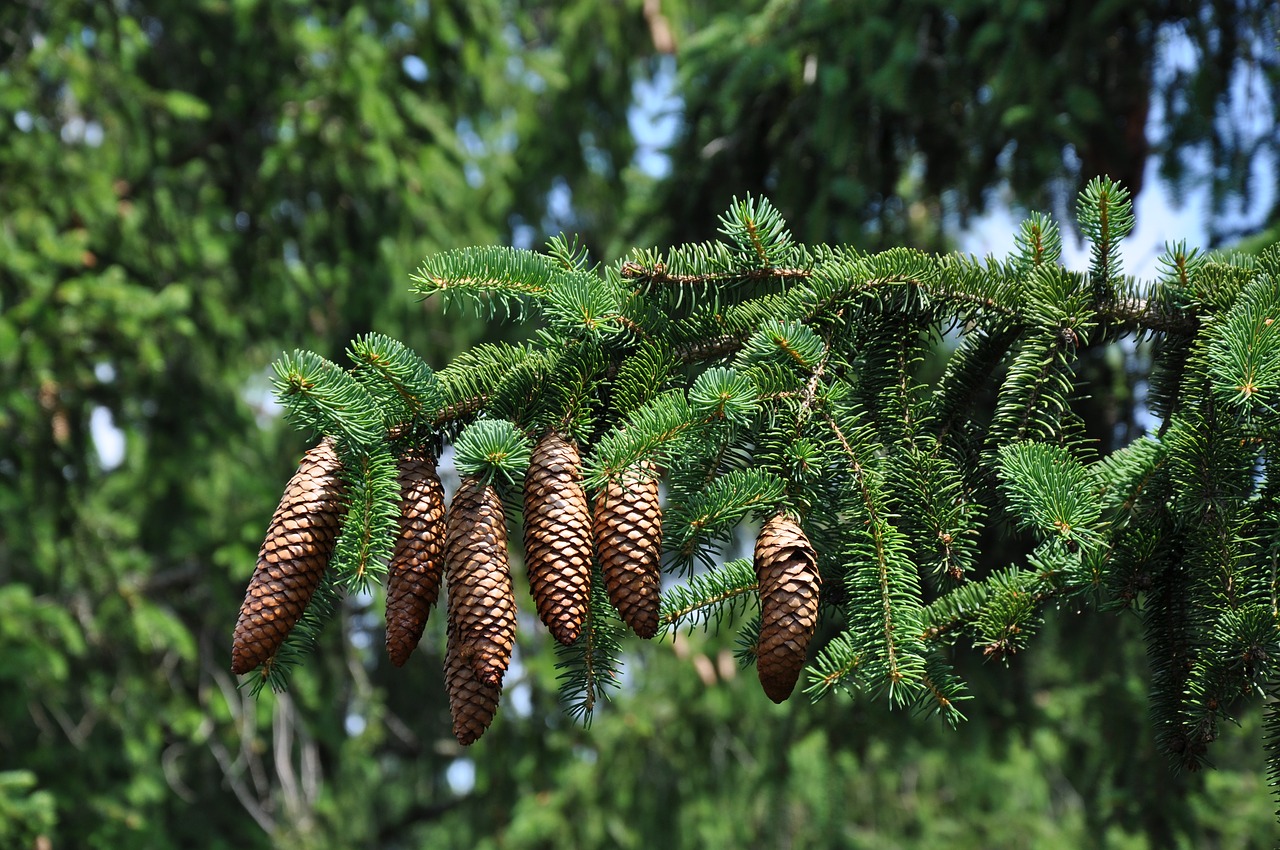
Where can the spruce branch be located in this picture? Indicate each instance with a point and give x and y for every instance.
(318, 395)
(724, 394)
(759, 232)
(1244, 353)
(1180, 265)
(493, 448)
(753, 374)
(470, 381)
(641, 376)
(657, 273)
(1271, 741)
(1039, 242)
(1171, 649)
(1052, 493)
(715, 348)
(710, 516)
(651, 433)
(489, 276)
(947, 614)
(1034, 397)
(401, 383)
(938, 515)
(584, 305)
(1125, 475)
(710, 598)
(790, 343)
(1146, 316)
(1002, 610)
(1133, 486)
(1219, 283)
(369, 528)
(980, 290)
(747, 643)
(941, 691)
(882, 584)
(1105, 212)
(969, 369)
(569, 253)
(589, 666)
(1007, 620)
(837, 665)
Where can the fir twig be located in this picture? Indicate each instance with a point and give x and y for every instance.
(589, 667)
(717, 594)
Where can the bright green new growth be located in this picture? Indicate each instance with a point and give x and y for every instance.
(492, 447)
(759, 374)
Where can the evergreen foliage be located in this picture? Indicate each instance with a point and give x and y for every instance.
(590, 666)
(757, 375)
(710, 597)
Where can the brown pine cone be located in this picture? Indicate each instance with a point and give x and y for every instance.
(787, 572)
(293, 558)
(472, 703)
(628, 538)
(557, 537)
(482, 607)
(417, 563)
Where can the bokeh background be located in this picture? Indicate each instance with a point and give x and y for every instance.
(190, 187)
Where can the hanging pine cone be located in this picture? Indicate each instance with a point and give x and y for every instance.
(787, 572)
(557, 541)
(472, 703)
(293, 558)
(628, 538)
(413, 576)
(482, 606)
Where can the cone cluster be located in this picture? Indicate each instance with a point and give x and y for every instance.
(628, 539)
(557, 537)
(787, 574)
(292, 559)
(417, 562)
(468, 546)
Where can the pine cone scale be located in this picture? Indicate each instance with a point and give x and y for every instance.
(627, 529)
(417, 561)
(482, 607)
(557, 537)
(787, 574)
(472, 702)
(292, 560)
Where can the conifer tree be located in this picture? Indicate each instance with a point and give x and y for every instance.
(768, 381)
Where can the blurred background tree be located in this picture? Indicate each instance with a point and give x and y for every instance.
(880, 123)
(190, 187)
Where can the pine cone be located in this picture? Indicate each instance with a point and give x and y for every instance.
(787, 572)
(293, 558)
(413, 576)
(557, 541)
(628, 537)
(482, 607)
(472, 703)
